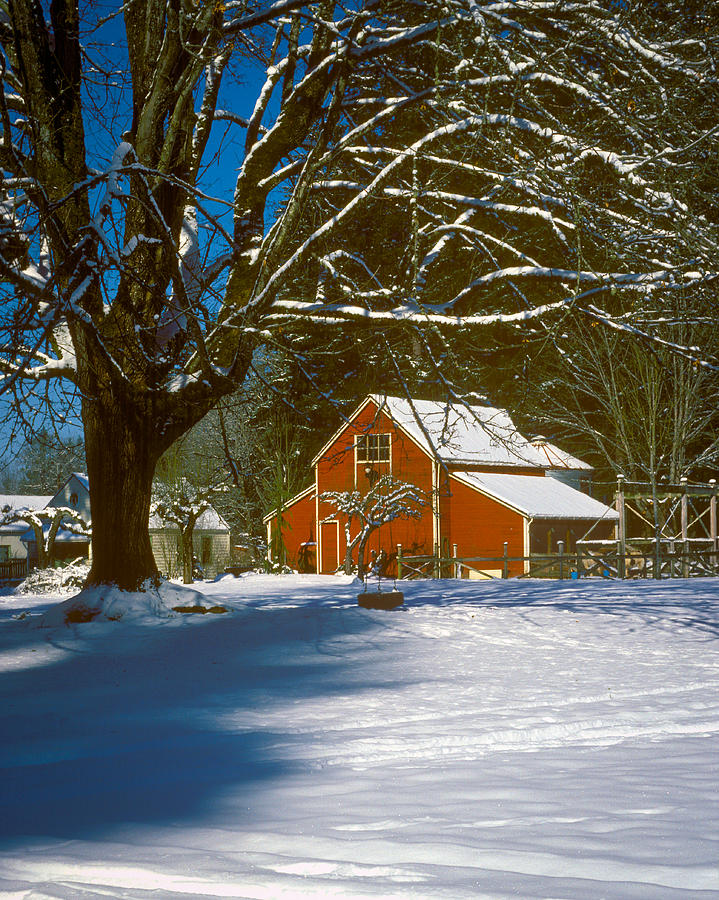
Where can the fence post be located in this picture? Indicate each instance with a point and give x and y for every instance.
(505, 563)
(560, 547)
(672, 554)
(621, 529)
(713, 521)
(685, 528)
(457, 569)
(399, 561)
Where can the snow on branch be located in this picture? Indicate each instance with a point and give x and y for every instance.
(46, 523)
(387, 500)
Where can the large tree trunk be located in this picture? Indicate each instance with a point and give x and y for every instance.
(127, 429)
(122, 448)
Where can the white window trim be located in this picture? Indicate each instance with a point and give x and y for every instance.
(358, 462)
(320, 557)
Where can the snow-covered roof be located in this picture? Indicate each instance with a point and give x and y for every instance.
(303, 493)
(209, 520)
(23, 501)
(63, 536)
(556, 458)
(20, 501)
(459, 434)
(538, 498)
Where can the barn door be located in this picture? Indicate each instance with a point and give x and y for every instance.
(329, 547)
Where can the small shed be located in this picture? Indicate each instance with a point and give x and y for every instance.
(210, 544)
(532, 514)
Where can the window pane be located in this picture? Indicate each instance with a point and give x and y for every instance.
(373, 448)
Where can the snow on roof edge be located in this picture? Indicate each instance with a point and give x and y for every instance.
(289, 503)
(536, 497)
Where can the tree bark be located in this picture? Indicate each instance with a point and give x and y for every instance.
(122, 450)
(188, 549)
(42, 562)
(187, 554)
(348, 551)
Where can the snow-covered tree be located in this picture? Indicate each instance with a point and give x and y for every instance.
(45, 524)
(562, 160)
(123, 277)
(386, 501)
(404, 170)
(181, 503)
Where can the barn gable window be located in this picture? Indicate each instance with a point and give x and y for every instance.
(373, 448)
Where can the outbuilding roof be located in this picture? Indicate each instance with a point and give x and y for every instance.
(538, 497)
(9, 502)
(23, 501)
(209, 520)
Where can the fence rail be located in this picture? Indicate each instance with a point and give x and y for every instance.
(608, 562)
(13, 569)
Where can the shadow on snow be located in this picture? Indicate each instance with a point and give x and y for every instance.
(130, 724)
(153, 725)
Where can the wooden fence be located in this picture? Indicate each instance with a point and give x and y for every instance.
(686, 561)
(13, 570)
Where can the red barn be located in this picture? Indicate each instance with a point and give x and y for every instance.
(484, 482)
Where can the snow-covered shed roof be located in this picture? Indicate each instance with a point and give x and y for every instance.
(209, 520)
(9, 502)
(459, 434)
(538, 498)
(23, 501)
(556, 458)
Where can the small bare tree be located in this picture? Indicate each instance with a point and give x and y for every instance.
(387, 500)
(187, 485)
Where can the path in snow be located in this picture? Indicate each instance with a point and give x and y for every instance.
(505, 739)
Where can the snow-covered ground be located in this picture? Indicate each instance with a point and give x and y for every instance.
(498, 739)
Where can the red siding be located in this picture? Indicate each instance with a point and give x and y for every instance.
(479, 526)
(298, 529)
